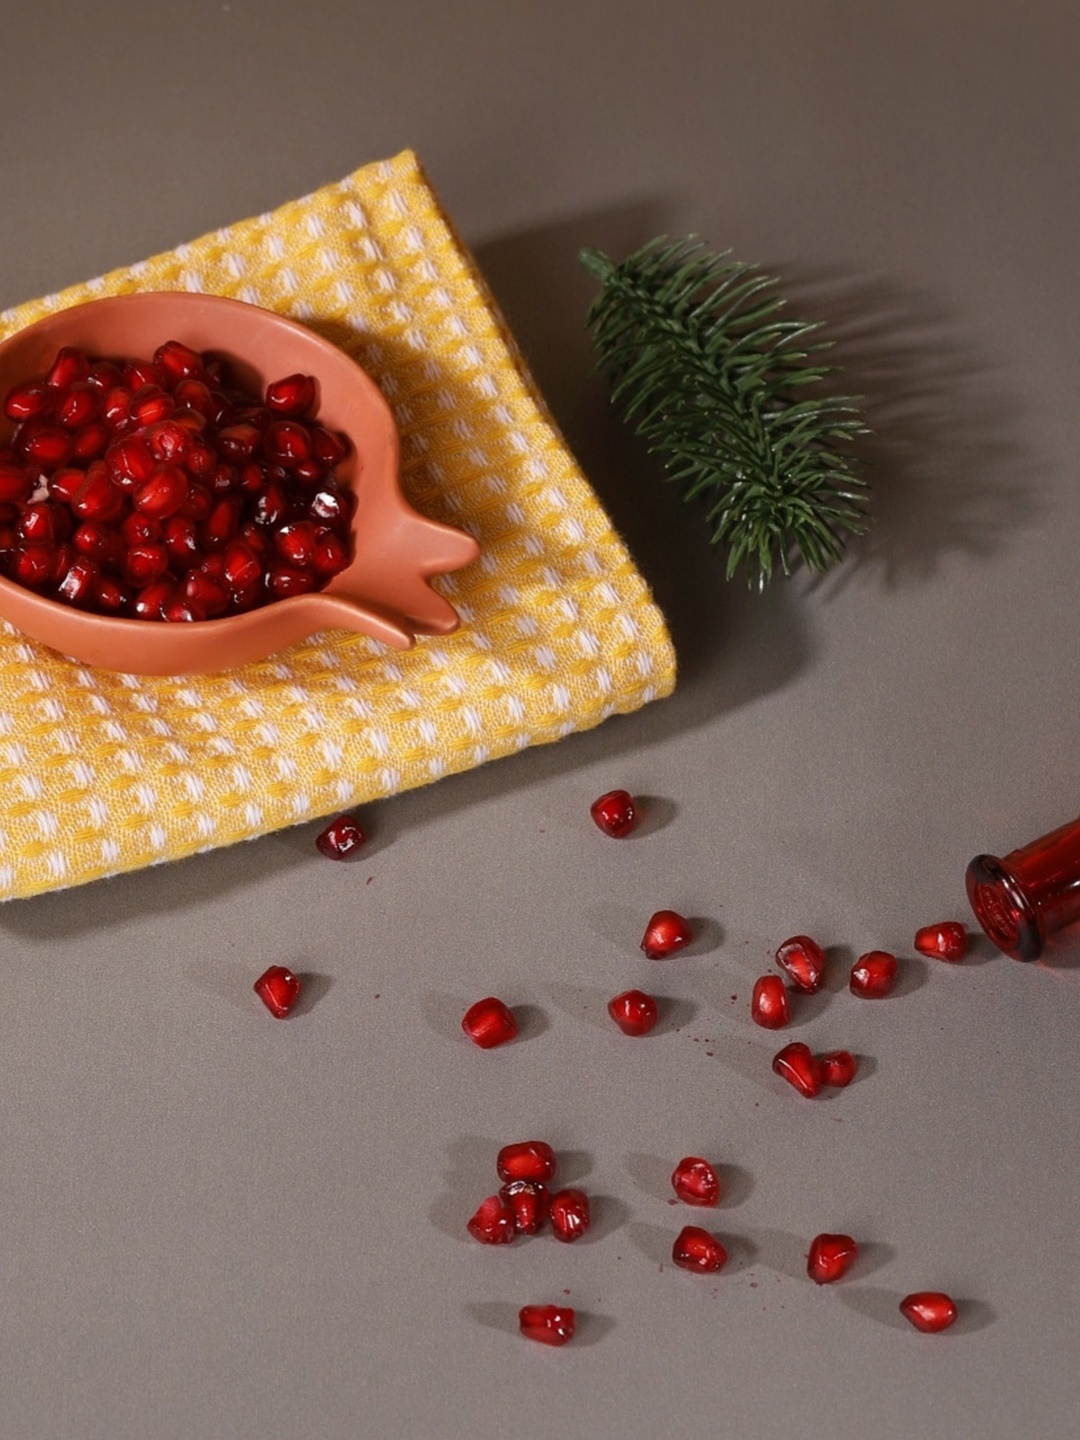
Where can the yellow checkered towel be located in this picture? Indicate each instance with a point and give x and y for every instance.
(101, 773)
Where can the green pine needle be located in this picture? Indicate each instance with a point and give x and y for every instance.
(700, 360)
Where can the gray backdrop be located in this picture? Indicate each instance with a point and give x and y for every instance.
(212, 1225)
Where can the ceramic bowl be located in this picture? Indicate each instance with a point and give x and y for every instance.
(382, 593)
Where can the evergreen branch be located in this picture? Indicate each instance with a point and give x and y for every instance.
(699, 357)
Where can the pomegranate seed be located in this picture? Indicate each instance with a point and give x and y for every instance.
(489, 1023)
(873, 975)
(16, 482)
(238, 442)
(32, 564)
(242, 568)
(493, 1223)
(69, 367)
(634, 1012)
(224, 478)
(929, 1310)
(46, 445)
(91, 442)
(547, 1324)
(287, 443)
(143, 564)
(214, 566)
(98, 542)
(283, 581)
(79, 582)
(292, 397)
(569, 1213)
(138, 373)
(64, 556)
(115, 407)
(804, 961)
(130, 462)
(271, 507)
(178, 361)
(330, 448)
(45, 523)
(111, 596)
(29, 402)
(97, 498)
(200, 458)
(343, 837)
(837, 1068)
(198, 504)
(529, 1202)
(278, 989)
(947, 941)
(223, 522)
(532, 1160)
(137, 529)
(665, 933)
(150, 405)
(150, 603)
(164, 493)
(330, 506)
(167, 440)
(769, 1003)
(614, 813)
(309, 472)
(330, 554)
(205, 595)
(830, 1258)
(78, 406)
(180, 540)
(795, 1064)
(104, 376)
(695, 1249)
(695, 1182)
(296, 542)
(180, 609)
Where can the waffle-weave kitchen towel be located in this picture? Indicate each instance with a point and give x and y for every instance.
(101, 773)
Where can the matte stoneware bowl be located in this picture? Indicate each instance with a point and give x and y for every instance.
(383, 592)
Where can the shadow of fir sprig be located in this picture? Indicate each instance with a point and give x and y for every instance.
(699, 358)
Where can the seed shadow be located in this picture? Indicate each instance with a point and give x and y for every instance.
(911, 975)
(468, 1178)
(584, 1002)
(708, 936)
(981, 951)
(736, 1184)
(573, 1166)
(224, 980)
(873, 1255)
(657, 813)
(531, 1020)
(313, 988)
(780, 1250)
(972, 1316)
(651, 1174)
(746, 1057)
(742, 1252)
(654, 1241)
(619, 927)
(675, 1014)
(606, 1215)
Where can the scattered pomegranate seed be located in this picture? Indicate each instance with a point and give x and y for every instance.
(570, 1217)
(947, 941)
(278, 989)
(665, 933)
(547, 1324)
(634, 1012)
(695, 1182)
(929, 1310)
(614, 813)
(830, 1258)
(769, 1003)
(804, 961)
(695, 1249)
(796, 1064)
(873, 975)
(493, 1223)
(489, 1023)
(532, 1160)
(837, 1068)
(343, 837)
(530, 1203)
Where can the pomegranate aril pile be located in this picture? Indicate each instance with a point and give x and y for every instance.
(206, 500)
(532, 1160)
(524, 1205)
(493, 1223)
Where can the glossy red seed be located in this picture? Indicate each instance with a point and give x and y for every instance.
(223, 478)
(115, 407)
(242, 566)
(330, 554)
(873, 975)
(46, 445)
(634, 1012)
(547, 1324)
(195, 395)
(130, 462)
(238, 442)
(292, 397)
(150, 405)
(799, 1067)
(164, 493)
(200, 458)
(45, 523)
(179, 609)
(830, 1258)
(271, 507)
(16, 482)
(695, 1249)
(178, 361)
(91, 442)
(287, 442)
(97, 498)
(78, 406)
(343, 837)
(198, 504)
(329, 447)
(181, 541)
(31, 564)
(80, 582)
(526, 1160)
(769, 1003)
(489, 1023)
(804, 962)
(206, 595)
(570, 1216)
(283, 581)
(493, 1223)
(929, 1310)
(104, 376)
(168, 440)
(838, 1068)
(666, 932)
(278, 989)
(149, 603)
(143, 564)
(947, 941)
(614, 813)
(29, 402)
(223, 522)
(296, 542)
(696, 1182)
(98, 541)
(530, 1203)
(64, 483)
(69, 367)
(111, 596)
(137, 529)
(331, 506)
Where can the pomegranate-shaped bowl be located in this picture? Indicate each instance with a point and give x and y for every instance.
(386, 557)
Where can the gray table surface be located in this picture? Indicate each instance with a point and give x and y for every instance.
(212, 1225)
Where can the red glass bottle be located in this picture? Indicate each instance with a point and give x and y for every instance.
(1024, 898)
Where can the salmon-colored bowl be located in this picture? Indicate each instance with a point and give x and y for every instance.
(384, 590)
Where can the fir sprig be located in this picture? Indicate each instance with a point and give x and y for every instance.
(701, 361)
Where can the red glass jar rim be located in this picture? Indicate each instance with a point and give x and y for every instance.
(1003, 909)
